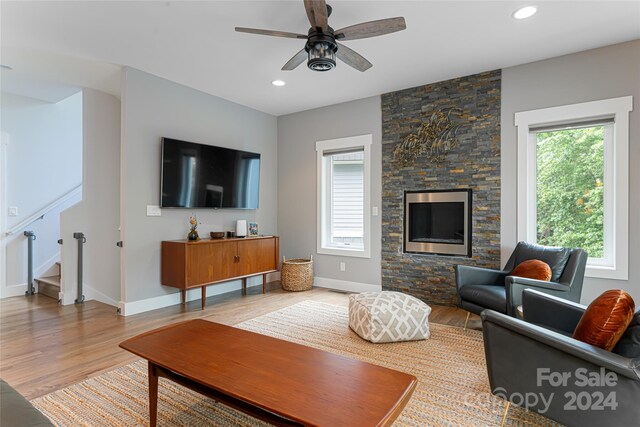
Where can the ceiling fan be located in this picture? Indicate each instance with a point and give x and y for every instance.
(322, 44)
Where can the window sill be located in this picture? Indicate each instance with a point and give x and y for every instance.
(356, 253)
(606, 272)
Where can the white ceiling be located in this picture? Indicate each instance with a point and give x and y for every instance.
(56, 47)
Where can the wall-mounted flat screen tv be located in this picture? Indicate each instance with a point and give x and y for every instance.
(205, 176)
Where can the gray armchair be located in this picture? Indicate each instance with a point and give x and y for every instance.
(482, 288)
(526, 358)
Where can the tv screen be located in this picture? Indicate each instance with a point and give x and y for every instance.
(205, 176)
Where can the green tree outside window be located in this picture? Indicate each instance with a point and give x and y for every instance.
(570, 189)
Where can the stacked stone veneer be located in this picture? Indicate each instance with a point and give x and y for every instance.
(474, 163)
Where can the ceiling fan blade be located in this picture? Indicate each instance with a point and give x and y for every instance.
(308, 7)
(317, 13)
(320, 12)
(352, 58)
(371, 29)
(271, 33)
(297, 59)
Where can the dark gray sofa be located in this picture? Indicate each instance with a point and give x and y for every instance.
(16, 411)
(527, 358)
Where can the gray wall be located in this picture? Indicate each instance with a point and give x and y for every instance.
(297, 211)
(98, 214)
(152, 108)
(603, 73)
(46, 138)
(43, 162)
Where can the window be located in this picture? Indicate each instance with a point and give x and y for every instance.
(343, 196)
(573, 181)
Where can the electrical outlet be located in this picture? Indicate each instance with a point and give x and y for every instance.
(374, 211)
(343, 266)
(13, 211)
(153, 210)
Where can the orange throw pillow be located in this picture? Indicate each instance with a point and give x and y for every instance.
(606, 319)
(533, 269)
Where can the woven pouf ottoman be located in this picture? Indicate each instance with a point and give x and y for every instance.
(388, 317)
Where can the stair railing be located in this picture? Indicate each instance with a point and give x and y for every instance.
(42, 212)
(31, 236)
(81, 241)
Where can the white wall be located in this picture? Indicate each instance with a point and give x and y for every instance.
(98, 215)
(603, 73)
(43, 162)
(297, 212)
(152, 108)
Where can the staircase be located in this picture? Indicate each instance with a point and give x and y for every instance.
(50, 285)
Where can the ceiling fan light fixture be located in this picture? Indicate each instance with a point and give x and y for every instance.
(525, 12)
(322, 57)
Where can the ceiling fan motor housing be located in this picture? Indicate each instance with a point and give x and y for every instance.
(322, 48)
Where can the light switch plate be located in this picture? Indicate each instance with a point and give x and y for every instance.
(13, 211)
(153, 210)
(374, 211)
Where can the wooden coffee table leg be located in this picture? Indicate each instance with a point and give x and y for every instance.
(153, 395)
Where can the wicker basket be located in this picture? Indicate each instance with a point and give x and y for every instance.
(297, 274)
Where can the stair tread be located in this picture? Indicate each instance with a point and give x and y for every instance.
(51, 280)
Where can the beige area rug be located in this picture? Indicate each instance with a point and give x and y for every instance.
(452, 390)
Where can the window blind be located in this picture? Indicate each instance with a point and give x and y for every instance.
(572, 125)
(349, 150)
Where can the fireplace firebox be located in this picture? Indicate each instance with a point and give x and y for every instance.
(438, 222)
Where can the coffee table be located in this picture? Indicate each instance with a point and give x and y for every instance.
(277, 381)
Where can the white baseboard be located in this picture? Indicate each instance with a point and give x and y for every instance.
(272, 277)
(20, 289)
(68, 298)
(93, 294)
(14, 291)
(141, 306)
(90, 293)
(343, 285)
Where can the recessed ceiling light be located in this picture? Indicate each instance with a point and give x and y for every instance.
(278, 83)
(525, 12)
(5, 67)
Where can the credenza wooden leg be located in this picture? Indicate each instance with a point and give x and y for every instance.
(204, 296)
(244, 286)
(183, 296)
(264, 283)
(153, 395)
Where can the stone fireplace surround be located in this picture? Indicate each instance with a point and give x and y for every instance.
(474, 164)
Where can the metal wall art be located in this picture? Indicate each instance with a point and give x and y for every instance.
(433, 139)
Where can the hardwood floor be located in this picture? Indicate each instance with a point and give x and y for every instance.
(45, 346)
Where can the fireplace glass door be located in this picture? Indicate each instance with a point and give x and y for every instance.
(437, 222)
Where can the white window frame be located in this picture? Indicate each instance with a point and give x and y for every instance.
(616, 170)
(360, 141)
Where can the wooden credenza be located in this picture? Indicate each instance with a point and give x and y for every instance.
(187, 264)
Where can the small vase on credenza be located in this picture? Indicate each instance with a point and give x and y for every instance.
(193, 224)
